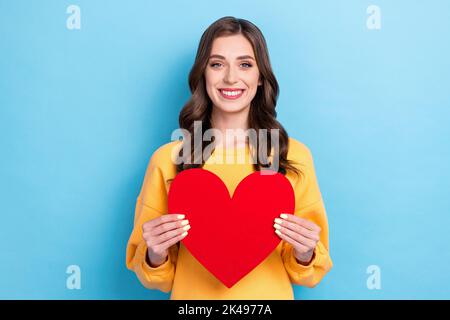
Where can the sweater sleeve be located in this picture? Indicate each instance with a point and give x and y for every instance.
(309, 205)
(151, 203)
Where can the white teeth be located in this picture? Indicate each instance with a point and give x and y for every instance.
(231, 93)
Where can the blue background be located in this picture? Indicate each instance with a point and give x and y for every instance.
(82, 111)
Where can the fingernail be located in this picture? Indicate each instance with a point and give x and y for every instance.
(184, 233)
(187, 228)
(180, 216)
(278, 232)
(279, 221)
(184, 222)
(284, 216)
(276, 226)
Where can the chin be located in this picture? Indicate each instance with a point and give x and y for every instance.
(231, 109)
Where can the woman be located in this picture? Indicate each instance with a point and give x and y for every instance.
(233, 87)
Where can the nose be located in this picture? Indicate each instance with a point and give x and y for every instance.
(230, 75)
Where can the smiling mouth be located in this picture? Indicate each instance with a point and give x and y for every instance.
(231, 94)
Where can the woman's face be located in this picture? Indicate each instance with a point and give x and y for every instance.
(232, 76)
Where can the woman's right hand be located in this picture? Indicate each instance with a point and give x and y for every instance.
(161, 233)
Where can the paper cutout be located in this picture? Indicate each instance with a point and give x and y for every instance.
(230, 236)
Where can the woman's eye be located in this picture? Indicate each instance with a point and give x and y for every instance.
(215, 64)
(246, 65)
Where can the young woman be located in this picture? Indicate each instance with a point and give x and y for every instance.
(233, 87)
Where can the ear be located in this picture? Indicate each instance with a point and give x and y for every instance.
(259, 82)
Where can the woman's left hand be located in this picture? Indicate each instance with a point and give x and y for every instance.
(301, 233)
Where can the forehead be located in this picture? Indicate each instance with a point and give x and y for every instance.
(232, 46)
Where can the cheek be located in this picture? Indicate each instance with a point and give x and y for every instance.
(210, 84)
(252, 83)
(252, 80)
(211, 78)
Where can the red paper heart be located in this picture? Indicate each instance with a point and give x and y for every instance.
(230, 236)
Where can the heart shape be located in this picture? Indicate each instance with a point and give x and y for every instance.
(230, 236)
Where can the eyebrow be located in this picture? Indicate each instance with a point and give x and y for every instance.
(218, 56)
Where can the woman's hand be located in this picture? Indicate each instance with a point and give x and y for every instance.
(161, 233)
(302, 234)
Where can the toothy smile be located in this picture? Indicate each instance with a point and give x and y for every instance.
(230, 93)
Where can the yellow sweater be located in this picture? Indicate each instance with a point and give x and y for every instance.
(185, 277)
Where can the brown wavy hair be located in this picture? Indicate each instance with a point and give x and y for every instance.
(262, 114)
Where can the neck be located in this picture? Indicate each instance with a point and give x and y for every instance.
(224, 121)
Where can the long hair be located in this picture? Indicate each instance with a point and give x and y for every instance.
(262, 114)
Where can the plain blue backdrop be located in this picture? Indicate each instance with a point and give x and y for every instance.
(82, 111)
